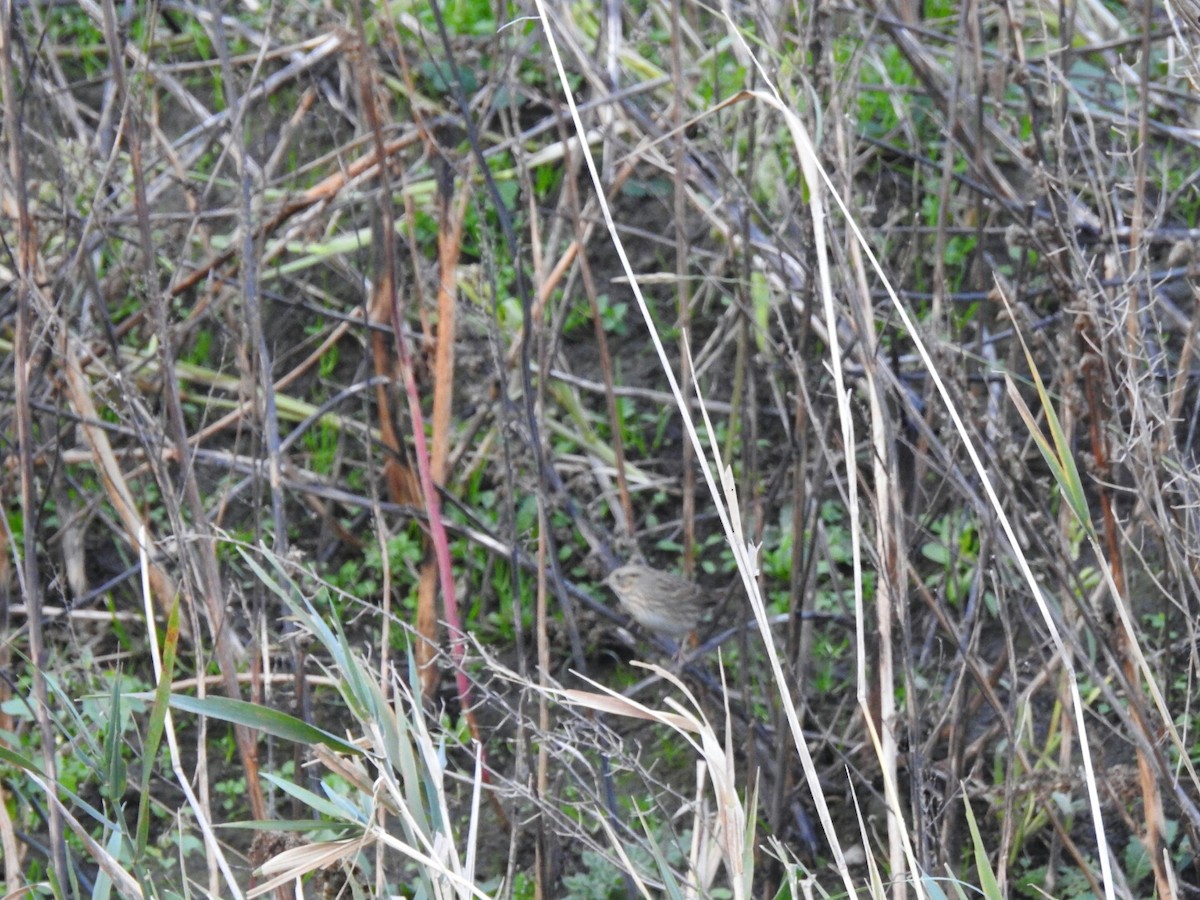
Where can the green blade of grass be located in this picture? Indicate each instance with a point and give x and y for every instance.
(156, 726)
(271, 721)
(987, 877)
(314, 801)
(113, 786)
(1057, 457)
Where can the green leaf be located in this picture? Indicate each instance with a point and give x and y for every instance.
(271, 721)
(304, 826)
(156, 726)
(987, 877)
(313, 801)
(112, 785)
(1059, 458)
(21, 762)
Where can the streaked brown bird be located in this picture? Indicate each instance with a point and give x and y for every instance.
(664, 603)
